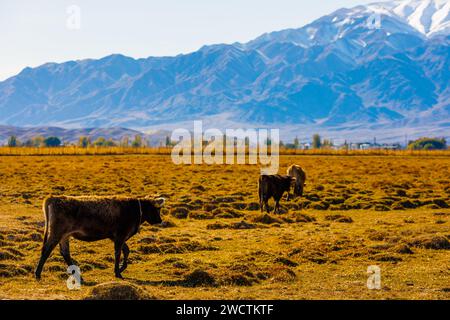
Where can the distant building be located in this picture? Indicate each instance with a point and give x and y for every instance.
(305, 146)
(367, 146)
(373, 146)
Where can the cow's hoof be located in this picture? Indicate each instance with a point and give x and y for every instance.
(123, 268)
(38, 277)
(119, 276)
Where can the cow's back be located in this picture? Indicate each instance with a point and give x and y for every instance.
(273, 185)
(79, 207)
(91, 215)
(298, 173)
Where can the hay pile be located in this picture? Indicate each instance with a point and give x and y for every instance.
(118, 291)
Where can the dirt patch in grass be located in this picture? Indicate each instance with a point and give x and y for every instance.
(266, 219)
(176, 247)
(302, 217)
(226, 213)
(339, 218)
(386, 257)
(441, 214)
(199, 278)
(282, 274)
(179, 212)
(217, 226)
(253, 206)
(246, 279)
(402, 249)
(436, 242)
(167, 223)
(239, 205)
(285, 261)
(200, 215)
(9, 270)
(323, 205)
(242, 225)
(311, 254)
(5, 255)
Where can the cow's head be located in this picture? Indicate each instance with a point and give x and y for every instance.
(292, 181)
(298, 188)
(151, 210)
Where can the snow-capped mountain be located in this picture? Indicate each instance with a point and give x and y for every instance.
(426, 18)
(382, 66)
(430, 17)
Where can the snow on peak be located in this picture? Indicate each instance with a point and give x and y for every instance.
(430, 17)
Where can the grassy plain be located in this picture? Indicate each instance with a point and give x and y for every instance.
(360, 210)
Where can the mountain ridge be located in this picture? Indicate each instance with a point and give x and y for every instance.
(332, 73)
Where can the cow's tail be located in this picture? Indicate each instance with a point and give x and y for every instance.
(259, 190)
(261, 193)
(45, 209)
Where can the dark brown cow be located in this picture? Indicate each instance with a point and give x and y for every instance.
(92, 219)
(273, 186)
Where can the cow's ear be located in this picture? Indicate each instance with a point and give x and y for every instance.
(159, 202)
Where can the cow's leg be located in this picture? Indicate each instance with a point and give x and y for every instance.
(126, 253)
(118, 246)
(65, 251)
(262, 203)
(47, 249)
(266, 203)
(277, 203)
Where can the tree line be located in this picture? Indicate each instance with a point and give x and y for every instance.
(83, 142)
(428, 144)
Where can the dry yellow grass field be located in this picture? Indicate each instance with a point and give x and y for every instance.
(358, 211)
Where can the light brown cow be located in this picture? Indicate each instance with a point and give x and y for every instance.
(299, 174)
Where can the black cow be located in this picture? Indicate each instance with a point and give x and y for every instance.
(273, 186)
(92, 219)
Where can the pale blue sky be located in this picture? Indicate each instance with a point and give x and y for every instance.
(35, 32)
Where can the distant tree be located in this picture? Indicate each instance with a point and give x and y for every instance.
(13, 141)
(137, 142)
(125, 142)
(84, 142)
(168, 141)
(296, 143)
(52, 142)
(28, 143)
(345, 145)
(110, 143)
(38, 141)
(316, 141)
(290, 146)
(327, 143)
(100, 142)
(428, 144)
